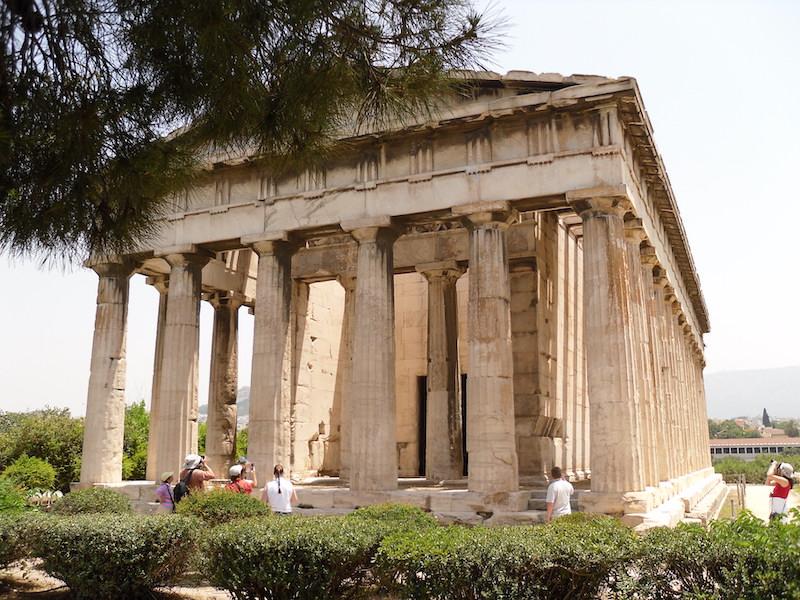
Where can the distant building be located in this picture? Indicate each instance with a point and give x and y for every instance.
(749, 448)
(771, 432)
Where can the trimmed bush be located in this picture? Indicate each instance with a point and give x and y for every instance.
(31, 473)
(394, 517)
(221, 506)
(10, 540)
(113, 556)
(571, 558)
(12, 499)
(92, 500)
(291, 557)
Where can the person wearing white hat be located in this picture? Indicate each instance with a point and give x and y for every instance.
(239, 483)
(781, 475)
(195, 472)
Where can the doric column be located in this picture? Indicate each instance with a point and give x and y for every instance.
(105, 402)
(269, 427)
(491, 443)
(615, 437)
(177, 394)
(443, 441)
(161, 285)
(661, 415)
(373, 446)
(344, 373)
(634, 236)
(223, 382)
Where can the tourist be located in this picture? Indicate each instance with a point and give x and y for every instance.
(781, 475)
(248, 468)
(280, 493)
(196, 472)
(166, 503)
(239, 483)
(558, 497)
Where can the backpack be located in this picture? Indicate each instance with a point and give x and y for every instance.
(182, 488)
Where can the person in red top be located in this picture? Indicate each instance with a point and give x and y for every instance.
(238, 484)
(782, 476)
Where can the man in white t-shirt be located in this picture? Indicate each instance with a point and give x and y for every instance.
(558, 495)
(280, 493)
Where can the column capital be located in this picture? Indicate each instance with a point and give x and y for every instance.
(634, 229)
(599, 201)
(264, 244)
(441, 270)
(220, 298)
(111, 266)
(372, 229)
(648, 255)
(496, 214)
(159, 282)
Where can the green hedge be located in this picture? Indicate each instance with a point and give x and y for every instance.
(221, 506)
(31, 473)
(290, 557)
(12, 499)
(10, 539)
(92, 500)
(113, 555)
(571, 558)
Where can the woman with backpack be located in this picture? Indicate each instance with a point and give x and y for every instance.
(193, 476)
(166, 502)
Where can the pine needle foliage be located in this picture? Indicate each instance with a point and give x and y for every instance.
(90, 89)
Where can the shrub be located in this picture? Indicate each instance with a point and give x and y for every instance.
(570, 558)
(221, 506)
(113, 556)
(31, 473)
(92, 500)
(290, 557)
(12, 499)
(394, 517)
(10, 539)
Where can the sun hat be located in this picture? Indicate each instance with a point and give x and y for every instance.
(235, 471)
(242, 460)
(166, 475)
(787, 470)
(192, 461)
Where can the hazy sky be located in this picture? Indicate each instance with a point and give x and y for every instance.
(720, 82)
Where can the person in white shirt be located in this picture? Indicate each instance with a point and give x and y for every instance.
(558, 495)
(280, 493)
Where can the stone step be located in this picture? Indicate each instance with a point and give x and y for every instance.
(708, 508)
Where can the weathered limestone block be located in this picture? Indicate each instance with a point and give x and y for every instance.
(105, 404)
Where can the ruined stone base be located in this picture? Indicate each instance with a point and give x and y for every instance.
(695, 497)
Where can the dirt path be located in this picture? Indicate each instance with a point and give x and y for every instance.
(757, 500)
(24, 581)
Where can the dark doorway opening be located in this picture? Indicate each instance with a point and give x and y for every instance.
(422, 412)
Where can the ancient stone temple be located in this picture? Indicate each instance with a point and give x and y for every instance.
(464, 301)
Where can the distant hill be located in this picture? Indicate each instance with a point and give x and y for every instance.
(242, 403)
(733, 394)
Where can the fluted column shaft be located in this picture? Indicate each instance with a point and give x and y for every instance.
(443, 441)
(344, 374)
(177, 394)
(634, 235)
(373, 447)
(105, 403)
(269, 428)
(161, 285)
(491, 444)
(223, 383)
(615, 436)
